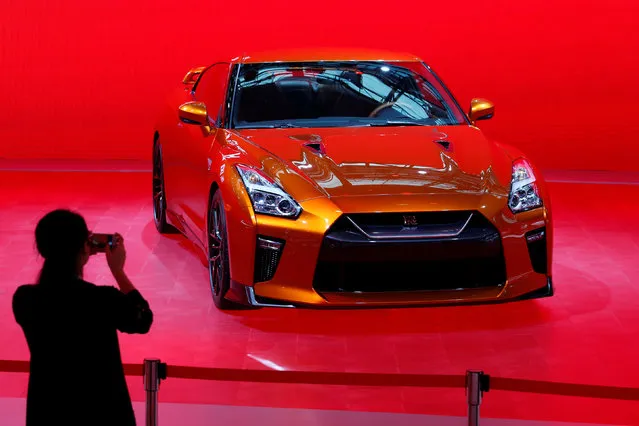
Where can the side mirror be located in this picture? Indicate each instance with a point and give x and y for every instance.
(194, 113)
(481, 109)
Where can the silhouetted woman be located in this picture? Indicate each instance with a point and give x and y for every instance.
(71, 326)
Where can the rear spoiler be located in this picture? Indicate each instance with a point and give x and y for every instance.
(192, 76)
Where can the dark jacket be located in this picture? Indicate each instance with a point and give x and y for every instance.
(76, 375)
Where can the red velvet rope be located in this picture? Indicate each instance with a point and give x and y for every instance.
(14, 366)
(564, 389)
(369, 379)
(317, 378)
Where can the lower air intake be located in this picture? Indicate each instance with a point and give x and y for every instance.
(537, 249)
(267, 256)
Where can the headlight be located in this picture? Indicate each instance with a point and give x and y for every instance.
(524, 194)
(266, 196)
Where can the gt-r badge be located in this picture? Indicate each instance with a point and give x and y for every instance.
(410, 220)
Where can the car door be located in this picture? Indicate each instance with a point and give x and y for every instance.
(211, 90)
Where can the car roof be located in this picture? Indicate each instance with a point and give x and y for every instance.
(325, 54)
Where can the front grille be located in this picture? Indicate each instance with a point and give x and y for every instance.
(410, 225)
(537, 249)
(445, 251)
(267, 256)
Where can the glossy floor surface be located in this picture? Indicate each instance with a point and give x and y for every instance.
(172, 414)
(587, 333)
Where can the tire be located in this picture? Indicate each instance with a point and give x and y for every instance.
(159, 193)
(218, 253)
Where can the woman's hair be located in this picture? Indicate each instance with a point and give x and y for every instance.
(60, 238)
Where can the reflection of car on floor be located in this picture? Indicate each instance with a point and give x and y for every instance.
(346, 178)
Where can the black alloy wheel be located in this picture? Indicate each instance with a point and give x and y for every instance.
(219, 274)
(159, 195)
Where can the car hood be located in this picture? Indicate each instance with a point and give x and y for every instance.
(359, 161)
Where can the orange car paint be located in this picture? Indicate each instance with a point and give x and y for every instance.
(418, 175)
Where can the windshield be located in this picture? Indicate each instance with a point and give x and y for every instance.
(341, 94)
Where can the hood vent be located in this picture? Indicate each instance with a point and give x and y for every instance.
(315, 146)
(310, 141)
(445, 144)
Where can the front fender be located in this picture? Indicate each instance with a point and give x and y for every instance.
(240, 218)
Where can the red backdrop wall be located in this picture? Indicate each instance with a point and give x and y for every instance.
(81, 79)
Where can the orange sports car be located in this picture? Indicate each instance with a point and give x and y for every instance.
(346, 178)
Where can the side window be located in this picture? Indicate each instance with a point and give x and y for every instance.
(211, 89)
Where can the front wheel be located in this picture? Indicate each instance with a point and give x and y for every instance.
(219, 273)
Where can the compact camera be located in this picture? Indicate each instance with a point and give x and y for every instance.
(99, 242)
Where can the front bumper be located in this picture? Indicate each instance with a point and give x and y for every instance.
(500, 258)
(247, 296)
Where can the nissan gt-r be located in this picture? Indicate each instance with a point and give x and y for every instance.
(346, 178)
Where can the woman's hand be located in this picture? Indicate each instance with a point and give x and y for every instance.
(116, 255)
